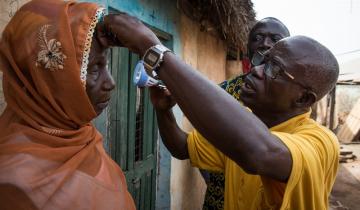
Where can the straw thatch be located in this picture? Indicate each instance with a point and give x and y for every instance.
(233, 19)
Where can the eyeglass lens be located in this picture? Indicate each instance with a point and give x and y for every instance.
(257, 58)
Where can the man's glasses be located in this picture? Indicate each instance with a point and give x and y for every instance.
(258, 58)
(272, 70)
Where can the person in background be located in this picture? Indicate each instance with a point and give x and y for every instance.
(263, 35)
(56, 82)
(274, 156)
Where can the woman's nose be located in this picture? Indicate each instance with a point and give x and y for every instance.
(109, 83)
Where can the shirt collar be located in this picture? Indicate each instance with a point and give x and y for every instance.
(291, 123)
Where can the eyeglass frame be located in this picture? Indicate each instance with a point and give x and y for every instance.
(258, 59)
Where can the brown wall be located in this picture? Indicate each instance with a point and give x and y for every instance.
(233, 68)
(2, 100)
(207, 54)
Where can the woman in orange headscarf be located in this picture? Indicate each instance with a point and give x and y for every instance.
(55, 83)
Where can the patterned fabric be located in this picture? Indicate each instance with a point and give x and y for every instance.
(214, 197)
(233, 86)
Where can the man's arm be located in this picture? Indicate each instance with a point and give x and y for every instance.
(232, 129)
(172, 136)
(229, 127)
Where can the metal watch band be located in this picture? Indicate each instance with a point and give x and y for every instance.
(159, 50)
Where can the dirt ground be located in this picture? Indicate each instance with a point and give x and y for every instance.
(346, 191)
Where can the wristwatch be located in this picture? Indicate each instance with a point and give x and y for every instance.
(154, 56)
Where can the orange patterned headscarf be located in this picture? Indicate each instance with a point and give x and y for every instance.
(51, 156)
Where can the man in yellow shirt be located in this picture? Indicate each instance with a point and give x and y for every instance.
(274, 157)
(262, 36)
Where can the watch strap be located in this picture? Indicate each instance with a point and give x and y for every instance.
(158, 49)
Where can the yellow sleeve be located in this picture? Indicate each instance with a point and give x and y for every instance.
(315, 152)
(203, 155)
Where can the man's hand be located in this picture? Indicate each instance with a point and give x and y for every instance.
(173, 137)
(161, 99)
(126, 31)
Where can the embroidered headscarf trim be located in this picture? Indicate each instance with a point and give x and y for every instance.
(85, 60)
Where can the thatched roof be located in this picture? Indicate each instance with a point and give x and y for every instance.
(233, 19)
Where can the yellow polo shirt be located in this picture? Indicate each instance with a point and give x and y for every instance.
(314, 150)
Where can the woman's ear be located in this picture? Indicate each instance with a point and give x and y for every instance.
(306, 99)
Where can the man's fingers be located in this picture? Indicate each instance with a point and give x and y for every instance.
(160, 92)
(130, 32)
(167, 92)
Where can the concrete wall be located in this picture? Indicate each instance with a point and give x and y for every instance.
(7, 10)
(346, 98)
(207, 54)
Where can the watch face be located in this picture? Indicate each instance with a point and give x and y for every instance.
(152, 58)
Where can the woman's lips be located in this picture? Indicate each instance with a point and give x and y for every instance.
(103, 105)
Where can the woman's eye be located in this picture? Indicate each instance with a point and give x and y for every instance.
(94, 71)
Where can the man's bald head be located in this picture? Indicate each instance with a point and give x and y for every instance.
(311, 63)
